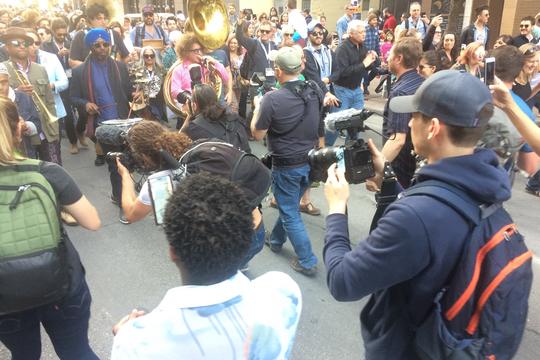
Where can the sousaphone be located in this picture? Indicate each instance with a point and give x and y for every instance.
(209, 21)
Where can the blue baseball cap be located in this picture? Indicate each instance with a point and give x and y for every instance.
(97, 33)
(454, 97)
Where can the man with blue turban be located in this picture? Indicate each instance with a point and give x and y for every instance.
(101, 86)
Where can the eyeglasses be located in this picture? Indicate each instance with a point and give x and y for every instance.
(421, 67)
(148, 14)
(317, 33)
(149, 56)
(104, 45)
(526, 26)
(288, 34)
(196, 51)
(265, 31)
(18, 43)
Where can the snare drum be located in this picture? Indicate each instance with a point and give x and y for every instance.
(125, 124)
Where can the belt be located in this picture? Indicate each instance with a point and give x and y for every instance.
(290, 160)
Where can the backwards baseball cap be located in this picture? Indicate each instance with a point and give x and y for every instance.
(454, 97)
(313, 24)
(148, 9)
(97, 33)
(287, 58)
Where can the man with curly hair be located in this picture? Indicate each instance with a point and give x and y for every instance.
(218, 312)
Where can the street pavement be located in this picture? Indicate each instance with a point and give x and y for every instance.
(127, 266)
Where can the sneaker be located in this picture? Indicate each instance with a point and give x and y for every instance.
(100, 160)
(295, 264)
(273, 247)
(310, 209)
(122, 218)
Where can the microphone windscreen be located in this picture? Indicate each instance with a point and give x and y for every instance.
(110, 135)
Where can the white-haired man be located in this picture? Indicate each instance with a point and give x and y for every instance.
(352, 62)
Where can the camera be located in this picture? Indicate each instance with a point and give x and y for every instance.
(126, 158)
(259, 81)
(183, 97)
(354, 157)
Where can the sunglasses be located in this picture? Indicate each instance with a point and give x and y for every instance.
(265, 31)
(148, 14)
(149, 56)
(421, 67)
(18, 43)
(317, 33)
(526, 26)
(104, 45)
(288, 34)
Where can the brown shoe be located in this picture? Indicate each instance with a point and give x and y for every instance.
(68, 219)
(295, 264)
(310, 209)
(73, 149)
(82, 140)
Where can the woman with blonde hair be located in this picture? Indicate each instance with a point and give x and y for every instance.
(150, 70)
(471, 59)
(54, 283)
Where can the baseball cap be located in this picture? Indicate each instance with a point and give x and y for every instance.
(287, 58)
(148, 9)
(454, 97)
(313, 24)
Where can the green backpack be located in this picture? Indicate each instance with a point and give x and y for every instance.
(33, 255)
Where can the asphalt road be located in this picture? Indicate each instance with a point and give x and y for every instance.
(127, 266)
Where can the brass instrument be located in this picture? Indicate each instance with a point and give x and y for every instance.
(209, 21)
(38, 101)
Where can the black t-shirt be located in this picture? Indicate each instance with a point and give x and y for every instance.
(79, 51)
(280, 111)
(67, 192)
(524, 92)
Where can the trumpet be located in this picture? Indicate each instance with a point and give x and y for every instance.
(38, 101)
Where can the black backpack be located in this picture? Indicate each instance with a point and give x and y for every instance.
(223, 159)
(482, 311)
(229, 129)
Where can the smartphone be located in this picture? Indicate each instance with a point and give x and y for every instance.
(489, 70)
(160, 188)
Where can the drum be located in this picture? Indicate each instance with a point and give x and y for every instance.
(124, 124)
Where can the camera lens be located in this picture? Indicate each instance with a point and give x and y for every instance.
(320, 160)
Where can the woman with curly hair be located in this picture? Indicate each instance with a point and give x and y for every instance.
(146, 139)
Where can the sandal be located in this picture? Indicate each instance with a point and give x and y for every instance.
(310, 209)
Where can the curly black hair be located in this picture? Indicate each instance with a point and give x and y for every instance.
(209, 226)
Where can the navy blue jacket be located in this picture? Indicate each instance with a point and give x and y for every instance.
(407, 259)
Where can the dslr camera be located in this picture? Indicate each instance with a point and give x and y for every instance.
(354, 157)
(262, 85)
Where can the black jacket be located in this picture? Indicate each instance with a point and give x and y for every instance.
(81, 86)
(311, 69)
(522, 40)
(50, 47)
(349, 70)
(255, 52)
(467, 35)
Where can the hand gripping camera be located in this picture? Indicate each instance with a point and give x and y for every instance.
(354, 157)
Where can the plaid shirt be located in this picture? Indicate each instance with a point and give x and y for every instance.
(372, 39)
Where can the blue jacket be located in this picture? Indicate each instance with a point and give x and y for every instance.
(407, 259)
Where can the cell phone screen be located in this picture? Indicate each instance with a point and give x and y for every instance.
(160, 187)
(489, 71)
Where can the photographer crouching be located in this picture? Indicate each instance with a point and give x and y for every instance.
(144, 142)
(291, 118)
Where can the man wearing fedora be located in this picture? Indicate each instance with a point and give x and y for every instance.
(32, 78)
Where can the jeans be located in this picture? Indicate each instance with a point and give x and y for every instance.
(288, 186)
(65, 321)
(349, 99)
(257, 243)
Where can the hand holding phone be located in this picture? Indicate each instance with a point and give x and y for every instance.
(489, 71)
(160, 188)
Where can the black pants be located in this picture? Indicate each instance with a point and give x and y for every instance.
(115, 178)
(75, 125)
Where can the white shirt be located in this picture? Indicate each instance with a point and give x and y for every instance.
(234, 319)
(144, 194)
(298, 21)
(57, 76)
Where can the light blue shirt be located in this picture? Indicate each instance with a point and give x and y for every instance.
(57, 76)
(341, 26)
(235, 319)
(420, 26)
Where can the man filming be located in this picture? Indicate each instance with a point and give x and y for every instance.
(408, 258)
(291, 118)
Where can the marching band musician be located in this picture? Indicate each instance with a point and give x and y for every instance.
(21, 70)
(102, 87)
(190, 51)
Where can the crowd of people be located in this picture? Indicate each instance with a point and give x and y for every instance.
(70, 74)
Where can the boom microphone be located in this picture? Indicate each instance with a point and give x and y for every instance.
(195, 73)
(170, 162)
(346, 119)
(111, 135)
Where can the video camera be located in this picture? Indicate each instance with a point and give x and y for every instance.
(262, 85)
(354, 157)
